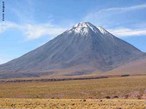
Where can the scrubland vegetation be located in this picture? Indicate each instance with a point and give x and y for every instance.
(107, 93)
(119, 87)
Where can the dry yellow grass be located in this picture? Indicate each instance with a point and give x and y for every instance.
(76, 89)
(71, 104)
(30, 95)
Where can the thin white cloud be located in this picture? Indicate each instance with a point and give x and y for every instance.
(100, 14)
(125, 32)
(7, 25)
(105, 17)
(124, 9)
(37, 31)
(33, 31)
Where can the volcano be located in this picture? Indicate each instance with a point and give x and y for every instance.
(80, 50)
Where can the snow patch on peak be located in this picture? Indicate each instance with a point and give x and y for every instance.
(81, 25)
(84, 25)
(84, 28)
(80, 28)
(102, 30)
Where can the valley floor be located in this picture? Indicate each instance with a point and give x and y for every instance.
(106, 93)
(71, 104)
(116, 87)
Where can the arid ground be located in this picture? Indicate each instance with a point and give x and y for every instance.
(107, 93)
(71, 104)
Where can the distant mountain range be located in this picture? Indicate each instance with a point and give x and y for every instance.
(79, 51)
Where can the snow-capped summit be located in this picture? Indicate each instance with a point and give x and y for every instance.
(86, 27)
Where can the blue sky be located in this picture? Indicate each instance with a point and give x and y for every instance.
(31, 23)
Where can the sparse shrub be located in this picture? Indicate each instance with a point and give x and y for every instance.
(84, 100)
(118, 108)
(107, 97)
(90, 97)
(100, 100)
(37, 96)
(138, 97)
(115, 97)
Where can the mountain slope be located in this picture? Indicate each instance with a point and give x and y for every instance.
(80, 50)
(132, 68)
